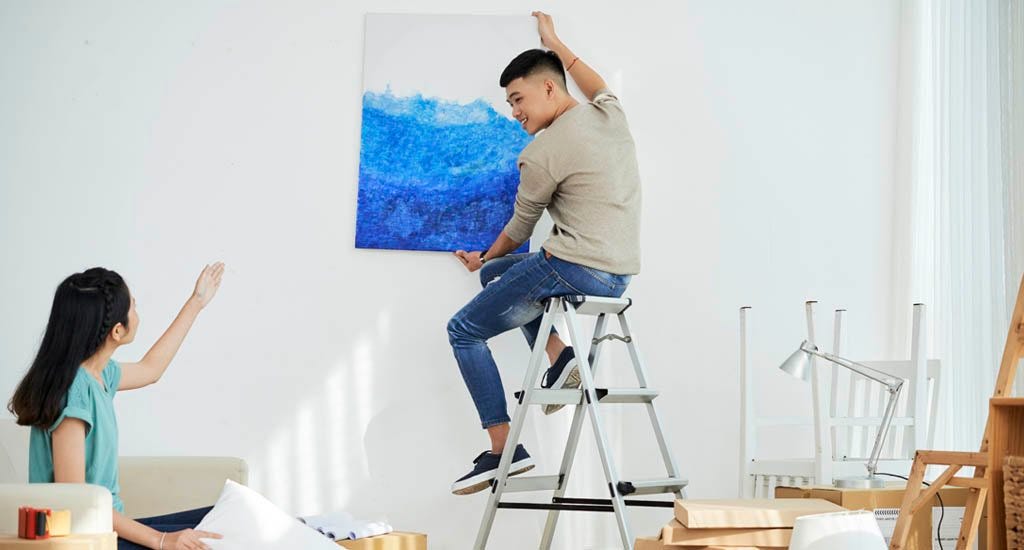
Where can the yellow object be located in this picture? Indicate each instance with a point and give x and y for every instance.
(390, 541)
(59, 523)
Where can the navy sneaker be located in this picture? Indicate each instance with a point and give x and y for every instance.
(485, 468)
(564, 374)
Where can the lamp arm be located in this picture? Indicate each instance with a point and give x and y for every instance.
(883, 378)
(883, 429)
(893, 384)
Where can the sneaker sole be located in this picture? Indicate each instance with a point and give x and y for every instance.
(571, 382)
(480, 482)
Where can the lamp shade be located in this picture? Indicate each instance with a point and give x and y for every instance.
(798, 364)
(837, 531)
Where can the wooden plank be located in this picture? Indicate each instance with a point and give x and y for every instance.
(906, 517)
(939, 483)
(954, 457)
(969, 482)
(1014, 347)
(972, 516)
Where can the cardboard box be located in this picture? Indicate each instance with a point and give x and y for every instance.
(749, 513)
(677, 534)
(655, 543)
(648, 543)
(390, 541)
(886, 502)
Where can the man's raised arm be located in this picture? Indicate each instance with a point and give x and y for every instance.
(586, 78)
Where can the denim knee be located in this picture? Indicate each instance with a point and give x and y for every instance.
(454, 329)
(458, 331)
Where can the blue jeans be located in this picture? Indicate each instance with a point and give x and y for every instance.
(167, 524)
(515, 287)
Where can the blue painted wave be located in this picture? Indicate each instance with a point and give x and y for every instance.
(435, 174)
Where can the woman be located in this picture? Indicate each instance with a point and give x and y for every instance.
(67, 394)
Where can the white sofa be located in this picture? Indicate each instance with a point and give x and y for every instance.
(150, 486)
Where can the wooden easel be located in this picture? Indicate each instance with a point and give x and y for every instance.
(917, 497)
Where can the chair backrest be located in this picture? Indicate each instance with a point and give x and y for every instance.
(846, 412)
(856, 404)
(154, 485)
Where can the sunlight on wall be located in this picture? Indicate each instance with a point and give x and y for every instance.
(307, 441)
(316, 457)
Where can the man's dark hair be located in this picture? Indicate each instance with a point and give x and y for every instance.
(532, 62)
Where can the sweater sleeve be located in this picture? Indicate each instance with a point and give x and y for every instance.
(534, 194)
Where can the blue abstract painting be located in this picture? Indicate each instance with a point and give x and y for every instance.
(434, 174)
(437, 163)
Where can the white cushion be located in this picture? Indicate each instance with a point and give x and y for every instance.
(248, 521)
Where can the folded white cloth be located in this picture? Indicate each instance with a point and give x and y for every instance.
(341, 526)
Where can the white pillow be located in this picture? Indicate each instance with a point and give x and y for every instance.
(248, 521)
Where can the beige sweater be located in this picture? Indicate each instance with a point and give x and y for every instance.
(583, 169)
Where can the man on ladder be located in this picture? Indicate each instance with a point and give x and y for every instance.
(583, 169)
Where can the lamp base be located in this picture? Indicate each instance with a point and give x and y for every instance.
(859, 482)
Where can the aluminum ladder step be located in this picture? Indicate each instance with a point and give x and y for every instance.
(597, 305)
(625, 395)
(573, 397)
(652, 486)
(521, 484)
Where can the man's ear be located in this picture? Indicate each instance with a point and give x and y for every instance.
(118, 333)
(549, 87)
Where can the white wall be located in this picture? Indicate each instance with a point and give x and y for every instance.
(154, 137)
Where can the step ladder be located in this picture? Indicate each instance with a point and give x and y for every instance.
(589, 400)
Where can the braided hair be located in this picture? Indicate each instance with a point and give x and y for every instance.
(107, 324)
(86, 307)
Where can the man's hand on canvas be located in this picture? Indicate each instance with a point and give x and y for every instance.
(470, 259)
(546, 28)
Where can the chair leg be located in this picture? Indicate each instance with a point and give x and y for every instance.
(972, 515)
(906, 517)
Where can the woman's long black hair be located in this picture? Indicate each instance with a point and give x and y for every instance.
(86, 307)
